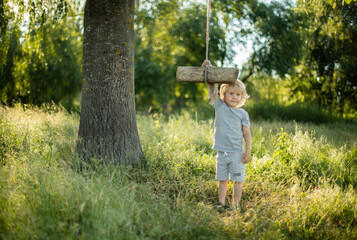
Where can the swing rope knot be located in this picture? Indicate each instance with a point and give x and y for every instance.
(208, 64)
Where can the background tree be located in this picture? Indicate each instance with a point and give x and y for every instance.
(50, 68)
(170, 34)
(43, 59)
(155, 67)
(278, 41)
(328, 73)
(4, 19)
(8, 81)
(190, 38)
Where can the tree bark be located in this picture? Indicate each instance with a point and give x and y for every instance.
(108, 117)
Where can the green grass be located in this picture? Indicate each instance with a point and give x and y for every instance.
(301, 183)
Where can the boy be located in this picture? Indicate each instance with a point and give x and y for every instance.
(231, 127)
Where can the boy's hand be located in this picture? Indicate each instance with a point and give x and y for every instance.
(206, 62)
(247, 157)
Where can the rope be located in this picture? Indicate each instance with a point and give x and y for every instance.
(208, 63)
(207, 27)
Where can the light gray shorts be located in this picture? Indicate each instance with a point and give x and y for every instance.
(230, 166)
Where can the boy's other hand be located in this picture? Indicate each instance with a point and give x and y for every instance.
(247, 157)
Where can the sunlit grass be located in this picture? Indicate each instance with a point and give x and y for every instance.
(300, 184)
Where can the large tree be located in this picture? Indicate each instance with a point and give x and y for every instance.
(328, 73)
(108, 118)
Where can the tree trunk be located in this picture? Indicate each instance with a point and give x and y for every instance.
(108, 118)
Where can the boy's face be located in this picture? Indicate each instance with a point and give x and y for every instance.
(232, 97)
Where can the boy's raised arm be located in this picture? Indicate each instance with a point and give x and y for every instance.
(212, 87)
(212, 92)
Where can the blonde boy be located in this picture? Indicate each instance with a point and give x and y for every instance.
(230, 128)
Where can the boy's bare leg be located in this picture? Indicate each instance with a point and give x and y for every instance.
(237, 193)
(222, 191)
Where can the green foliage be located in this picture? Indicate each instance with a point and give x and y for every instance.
(327, 75)
(309, 44)
(300, 184)
(278, 44)
(4, 38)
(333, 2)
(43, 60)
(12, 13)
(8, 90)
(50, 67)
(154, 82)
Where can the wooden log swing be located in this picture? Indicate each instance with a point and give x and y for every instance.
(208, 73)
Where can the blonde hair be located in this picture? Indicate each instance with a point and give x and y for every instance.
(238, 85)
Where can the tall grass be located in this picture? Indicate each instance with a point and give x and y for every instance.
(301, 183)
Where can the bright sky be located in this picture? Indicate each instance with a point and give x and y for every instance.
(242, 55)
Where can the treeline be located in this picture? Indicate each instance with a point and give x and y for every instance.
(303, 52)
